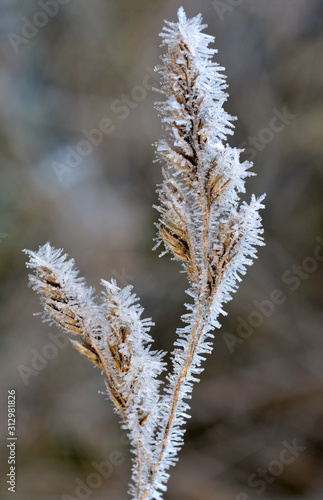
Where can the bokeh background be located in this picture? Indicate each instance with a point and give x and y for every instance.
(263, 385)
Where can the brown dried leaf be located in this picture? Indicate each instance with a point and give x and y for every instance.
(178, 247)
(87, 351)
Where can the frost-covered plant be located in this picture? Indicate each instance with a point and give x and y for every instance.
(202, 224)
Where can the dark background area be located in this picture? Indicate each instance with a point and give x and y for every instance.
(263, 385)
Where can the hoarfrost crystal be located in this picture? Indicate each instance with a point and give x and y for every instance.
(203, 225)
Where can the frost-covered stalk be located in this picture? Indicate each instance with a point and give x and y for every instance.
(113, 336)
(204, 225)
(201, 221)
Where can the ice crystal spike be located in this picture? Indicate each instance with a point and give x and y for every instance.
(203, 225)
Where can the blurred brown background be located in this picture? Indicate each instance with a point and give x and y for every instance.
(262, 391)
